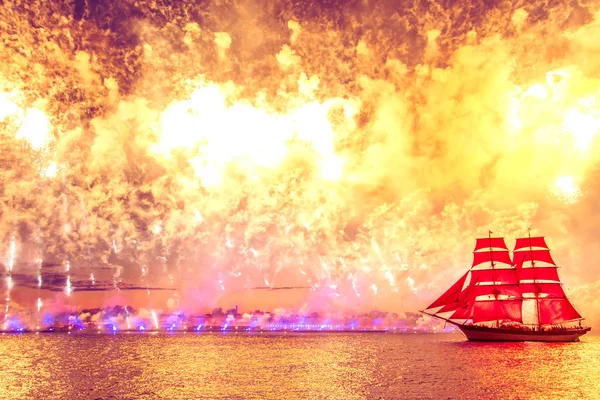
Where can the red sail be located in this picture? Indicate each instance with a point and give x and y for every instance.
(450, 307)
(464, 312)
(501, 276)
(502, 310)
(527, 243)
(533, 255)
(451, 295)
(552, 290)
(556, 311)
(463, 299)
(488, 256)
(498, 290)
(487, 243)
(539, 273)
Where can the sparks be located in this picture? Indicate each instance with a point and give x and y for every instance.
(411, 284)
(566, 190)
(583, 126)
(155, 319)
(13, 251)
(374, 288)
(50, 171)
(198, 216)
(537, 91)
(68, 288)
(179, 161)
(7, 106)
(35, 129)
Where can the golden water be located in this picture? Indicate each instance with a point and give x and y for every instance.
(293, 366)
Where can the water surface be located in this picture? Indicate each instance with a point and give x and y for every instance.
(293, 366)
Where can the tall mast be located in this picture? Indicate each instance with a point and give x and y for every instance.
(493, 276)
(537, 291)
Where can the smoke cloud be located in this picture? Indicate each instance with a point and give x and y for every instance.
(315, 155)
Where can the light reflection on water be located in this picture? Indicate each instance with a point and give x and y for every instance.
(290, 366)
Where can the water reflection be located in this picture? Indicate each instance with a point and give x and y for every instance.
(316, 366)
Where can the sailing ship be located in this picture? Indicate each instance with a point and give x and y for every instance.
(504, 299)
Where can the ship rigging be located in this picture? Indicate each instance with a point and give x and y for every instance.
(504, 299)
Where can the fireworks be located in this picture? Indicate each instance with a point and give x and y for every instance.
(125, 319)
(566, 190)
(295, 151)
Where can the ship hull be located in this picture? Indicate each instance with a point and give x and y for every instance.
(482, 333)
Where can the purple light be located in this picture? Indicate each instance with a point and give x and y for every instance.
(142, 328)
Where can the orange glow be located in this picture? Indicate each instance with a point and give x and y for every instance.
(216, 134)
(566, 190)
(352, 151)
(583, 127)
(35, 128)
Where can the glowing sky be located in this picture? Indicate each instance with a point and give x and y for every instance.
(350, 150)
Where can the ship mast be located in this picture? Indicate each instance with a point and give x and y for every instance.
(498, 294)
(493, 275)
(537, 290)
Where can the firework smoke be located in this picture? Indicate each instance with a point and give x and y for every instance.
(349, 151)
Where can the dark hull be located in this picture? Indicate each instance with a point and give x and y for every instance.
(482, 333)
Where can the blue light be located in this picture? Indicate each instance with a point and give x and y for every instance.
(47, 319)
(114, 328)
(15, 325)
(142, 328)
